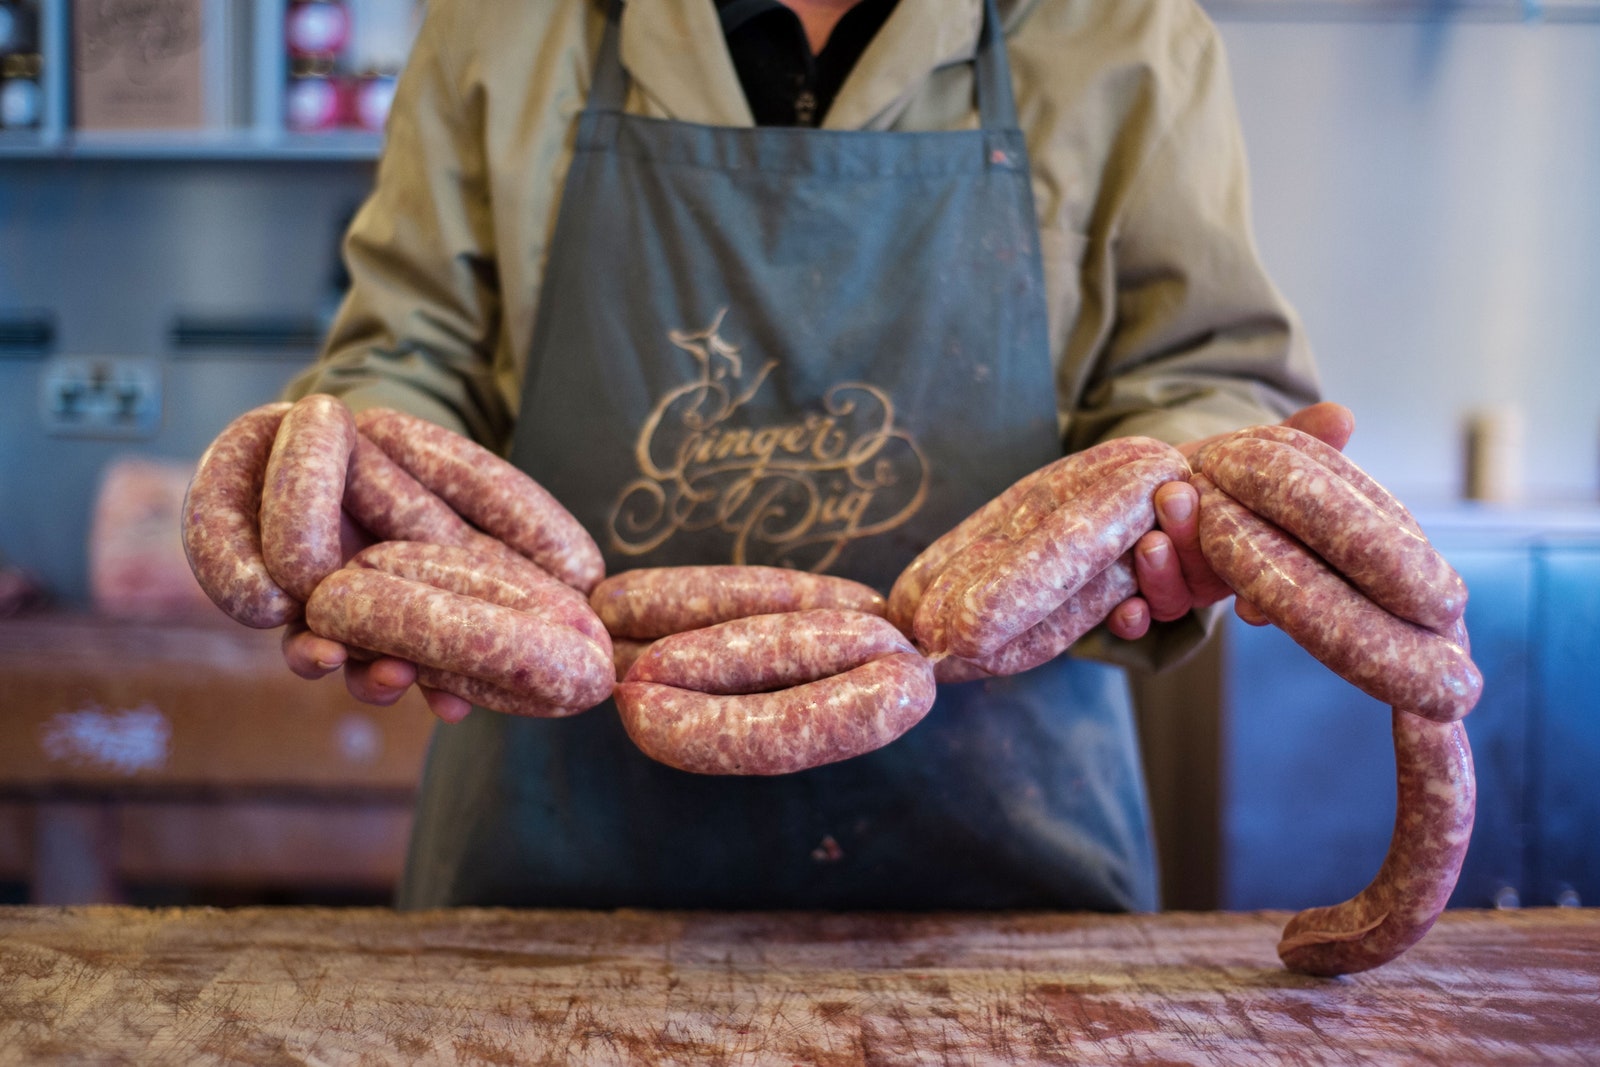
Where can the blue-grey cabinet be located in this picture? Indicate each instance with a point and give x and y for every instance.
(1307, 793)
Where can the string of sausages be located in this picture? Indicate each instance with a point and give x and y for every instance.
(497, 593)
(493, 609)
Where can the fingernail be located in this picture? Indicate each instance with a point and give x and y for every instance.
(1177, 507)
(1154, 554)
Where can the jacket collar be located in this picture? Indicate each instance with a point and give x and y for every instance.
(676, 55)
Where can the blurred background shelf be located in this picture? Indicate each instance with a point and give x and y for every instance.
(197, 146)
(257, 80)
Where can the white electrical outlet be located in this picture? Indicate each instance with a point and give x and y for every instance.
(100, 396)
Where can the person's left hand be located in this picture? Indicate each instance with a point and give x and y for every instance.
(1174, 577)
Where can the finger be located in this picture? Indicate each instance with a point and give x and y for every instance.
(1129, 620)
(308, 655)
(1178, 516)
(447, 706)
(1331, 423)
(1249, 613)
(1161, 584)
(383, 681)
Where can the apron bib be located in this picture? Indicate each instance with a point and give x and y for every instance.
(803, 348)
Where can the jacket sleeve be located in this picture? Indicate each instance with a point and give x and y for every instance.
(1198, 340)
(418, 326)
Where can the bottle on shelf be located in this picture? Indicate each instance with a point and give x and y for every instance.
(21, 66)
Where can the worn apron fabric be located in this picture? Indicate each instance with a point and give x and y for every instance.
(814, 349)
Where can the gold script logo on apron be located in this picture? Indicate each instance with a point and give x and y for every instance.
(793, 489)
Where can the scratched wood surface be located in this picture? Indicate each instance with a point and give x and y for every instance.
(303, 986)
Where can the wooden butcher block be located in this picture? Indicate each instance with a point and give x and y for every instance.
(304, 986)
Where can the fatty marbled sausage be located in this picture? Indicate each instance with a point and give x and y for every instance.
(1066, 476)
(222, 525)
(1432, 827)
(759, 653)
(1392, 563)
(393, 506)
(1395, 661)
(303, 493)
(653, 602)
(779, 709)
(1426, 676)
(540, 658)
(1059, 537)
(506, 579)
(494, 495)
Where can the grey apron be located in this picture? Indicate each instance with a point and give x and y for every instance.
(815, 349)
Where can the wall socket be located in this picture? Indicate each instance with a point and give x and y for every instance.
(100, 396)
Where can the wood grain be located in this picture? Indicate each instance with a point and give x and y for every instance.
(372, 986)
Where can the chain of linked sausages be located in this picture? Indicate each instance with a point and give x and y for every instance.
(497, 593)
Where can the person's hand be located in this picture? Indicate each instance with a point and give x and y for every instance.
(381, 681)
(1174, 577)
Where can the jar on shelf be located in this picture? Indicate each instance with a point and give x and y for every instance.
(317, 29)
(21, 93)
(19, 27)
(374, 93)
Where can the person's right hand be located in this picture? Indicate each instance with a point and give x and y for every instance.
(381, 681)
(1174, 577)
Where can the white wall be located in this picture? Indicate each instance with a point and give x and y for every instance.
(1428, 195)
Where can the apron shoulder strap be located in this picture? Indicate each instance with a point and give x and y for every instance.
(997, 108)
(609, 90)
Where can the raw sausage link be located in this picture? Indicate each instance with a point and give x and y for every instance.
(1395, 661)
(1325, 454)
(1050, 562)
(490, 492)
(222, 522)
(507, 579)
(761, 653)
(393, 506)
(1391, 563)
(511, 649)
(303, 494)
(656, 601)
(1432, 826)
(1068, 476)
(784, 731)
(930, 627)
(1076, 616)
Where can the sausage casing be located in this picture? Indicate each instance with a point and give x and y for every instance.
(547, 661)
(1392, 562)
(497, 497)
(302, 495)
(222, 522)
(1054, 558)
(1434, 814)
(1066, 477)
(653, 602)
(1388, 658)
(779, 732)
(760, 653)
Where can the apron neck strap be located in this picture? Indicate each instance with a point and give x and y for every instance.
(997, 109)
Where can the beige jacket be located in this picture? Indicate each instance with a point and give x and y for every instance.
(1162, 320)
